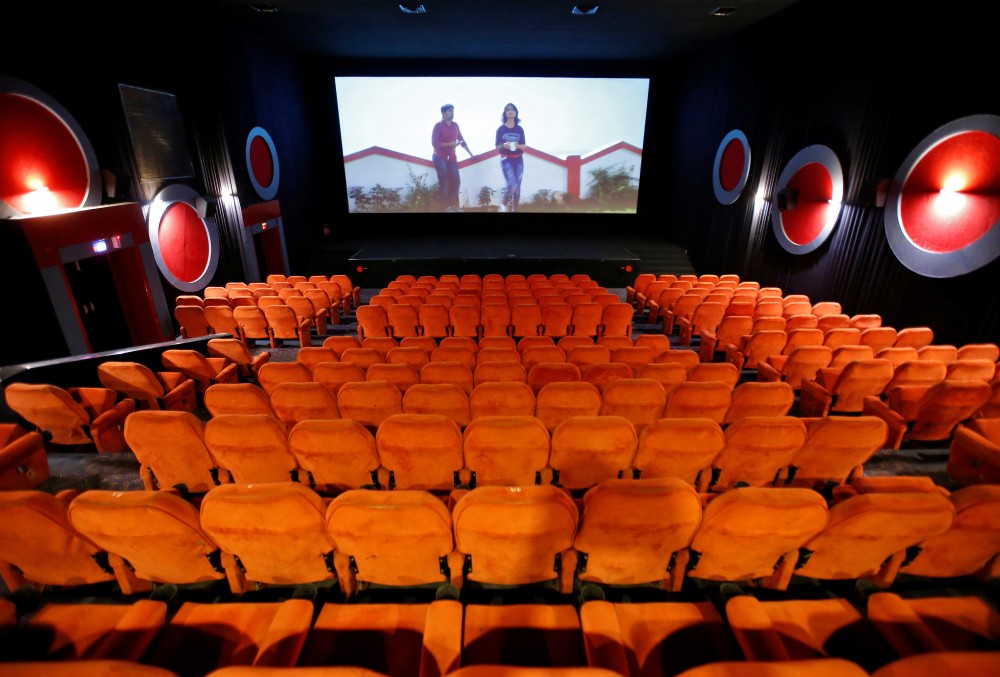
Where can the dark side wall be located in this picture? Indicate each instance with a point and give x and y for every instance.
(870, 81)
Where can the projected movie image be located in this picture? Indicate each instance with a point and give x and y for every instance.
(492, 144)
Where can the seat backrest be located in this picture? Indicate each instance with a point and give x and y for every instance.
(760, 399)
(669, 374)
(714, 372)
(979, 351)
(940, 353)
(192, 321)
(277, 531)
(420, 451)
(897, 356)
(39, 546)
(222, 320)
(336, 454)
(313, 355)
(501, 398)
(972, 370)
(51, 409)
(803, 363)
(630, 530)
(802, 337)
(433, 320)
(973, 540)
(844, 355)
(365, 526)
(757, 448)
(158, 534)
(251, 447)
(657, 342)
(858, 380)
(590, 449)
(865, 530)
(917, 373)
(372, 321)
(403, 320)
(237, 398)
(807, 321)
(191, 363)
(635, 356)
(617, 319)
(341, 343)
(746, 532)
(559, 401)
(455, 373)
(274, 373)
(362, 357)
(639, 400)
(944, 406)
(446, 399)
(131, 379)
(532, 356)
(486, 372)
(556, 319)
(836, 446)
(170, 447)
(698, 400)
(413, 356)
(525, 319)
(514, 535)
(683, 448)
(761, 345)
(283, 321)
(914, 337)
(448, 353)
(586, 320)
(335, 374)
(369, 403)
(295, 402)
(506, 450)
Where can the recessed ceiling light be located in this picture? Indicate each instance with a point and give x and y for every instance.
(413, 9)
(722, 11)
(584, 9)
(265, 9)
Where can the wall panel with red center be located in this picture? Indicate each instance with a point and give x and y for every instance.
(807, 199)
(185, 245)
(942, 212)
(262, 163)
(732, 167)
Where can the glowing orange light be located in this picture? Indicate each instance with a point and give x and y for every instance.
(39, 201)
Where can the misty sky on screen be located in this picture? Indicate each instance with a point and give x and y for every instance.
(560, 116)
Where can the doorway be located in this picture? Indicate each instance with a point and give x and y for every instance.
(92, 284)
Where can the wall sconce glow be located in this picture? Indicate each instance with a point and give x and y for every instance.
(953, 184)
(948, 202)
(40, 201)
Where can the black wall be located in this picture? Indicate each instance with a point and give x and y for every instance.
(866, 81)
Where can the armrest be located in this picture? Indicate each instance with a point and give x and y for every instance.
(754, 630)
(685, 330)
(286, 635)
(259, 361)
(20, 450)
(901, 627)
(602, 636)
(765, 372)
(827, 376)
(973, 458)
(814, 399)
(229, 374)
(903, 400)
(107, 430)
(442, 645)
(706, 351)
(95, 400)
(873, 406)
(24, 463)
(182, 397)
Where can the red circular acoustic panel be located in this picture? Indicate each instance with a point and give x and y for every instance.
(262, 163)
(944, 206)
(732, 167)
(813, 185)
(184, 242)
(815, 190)
(46, 163)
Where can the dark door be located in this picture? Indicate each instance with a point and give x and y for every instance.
(97, 301)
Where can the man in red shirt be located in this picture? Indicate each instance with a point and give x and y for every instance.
(445, 138)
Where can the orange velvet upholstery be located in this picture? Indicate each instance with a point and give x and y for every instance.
(640, 400)
(602, 374)
(631, 531)
(934, 624)
(544, 635)
(720, 372)
(313, 355)
(917, 373)
(79, 631)
(914, 337)
(203, 637)
(369, 403)
(372, 321)
(284, 324)
(878, 338)
(590, 449)
(192, 322)
(974, 457)
(415, 357)
(250, 448)
(204, 371)
(699, 400)
(445, 399)
(897, 356)
(39, 546)
(273, 373)
(617, 319)
(972, 544)
(979, 351)
(928, 413)
(403, 376)
(335, 454)
(759, 399)
(236, 351)
(669, 374)
(464, 355)
(237, 398)
(729, 331)
(844, 390)
(335, 374)
(586, 319)
(149, 389)
(752, 532)
(495, 320)
(544, 373)
(538, 354)
(506, 450)
(938, 353)
(836, 448)
(972, 370)
(756, 348)
(805, 629)
(868, 534)
(757, 449)
(151, 537)
(170, 447)
(799, 365)
(985, 663)
(341, 343)
(636, 356)
(392, 639)
(516, 536)
(379, 344)
(73, 416)
(656, 638)
(222, 320)
(706, 317)
(365, 528)
(419, 451)
(276, 531)
(488, 372)
(684, 448)
(23, 461)
(559, 401)
(501, 398)
(295, 402)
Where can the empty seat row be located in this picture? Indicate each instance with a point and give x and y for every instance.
(625, 532)
(430, 451)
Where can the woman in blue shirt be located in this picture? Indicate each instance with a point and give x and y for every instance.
(510, 144)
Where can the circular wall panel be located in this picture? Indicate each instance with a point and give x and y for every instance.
(732, 167)
(185, 248)
(46, 161)
(812, 184)
(262, 163)
(942, 211)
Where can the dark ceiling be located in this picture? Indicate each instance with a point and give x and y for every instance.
(620, 30)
